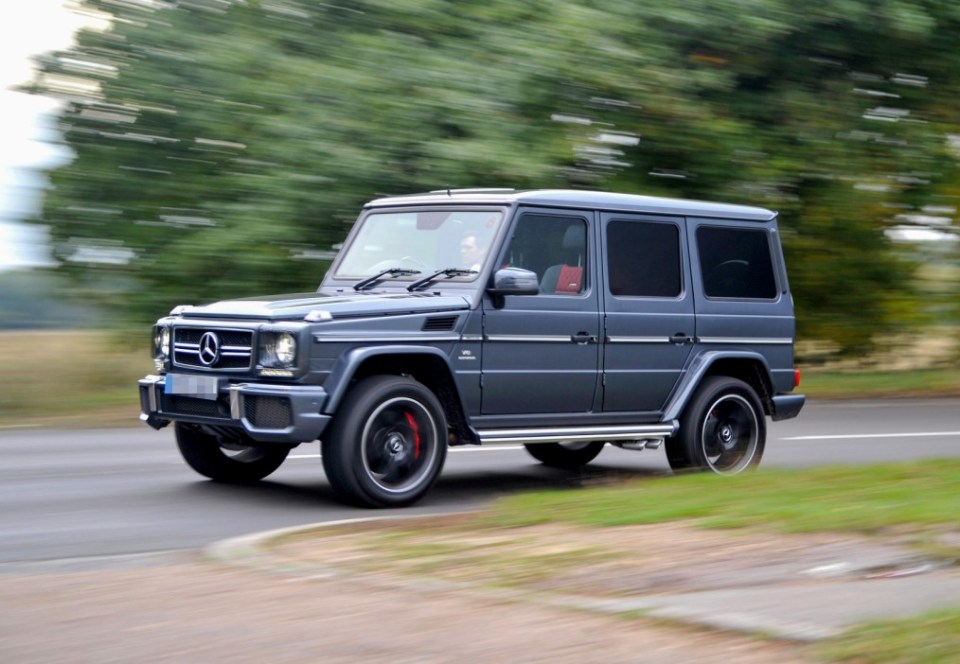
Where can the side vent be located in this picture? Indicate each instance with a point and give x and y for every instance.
(439, 324)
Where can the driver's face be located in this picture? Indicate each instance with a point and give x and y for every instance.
(469, 251)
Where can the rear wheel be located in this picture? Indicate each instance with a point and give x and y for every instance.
(388, 443)
(227, 458)
(722, 429)
(568, 455)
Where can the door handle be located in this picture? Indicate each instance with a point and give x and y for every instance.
(583, 338)
(680, 339)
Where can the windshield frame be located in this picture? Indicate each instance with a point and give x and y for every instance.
(336, 273)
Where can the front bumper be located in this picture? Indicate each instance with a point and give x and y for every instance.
(266, 412)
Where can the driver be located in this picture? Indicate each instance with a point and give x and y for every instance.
(471, 251)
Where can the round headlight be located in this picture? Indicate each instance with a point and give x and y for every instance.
(161, 341)
(286, 349)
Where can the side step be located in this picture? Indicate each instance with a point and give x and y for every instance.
(632, 435)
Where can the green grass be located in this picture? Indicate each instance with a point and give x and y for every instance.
(825, 384)
(75, 378)
(929, 639)
(915, 496)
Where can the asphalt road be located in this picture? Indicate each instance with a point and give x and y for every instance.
(97, 494)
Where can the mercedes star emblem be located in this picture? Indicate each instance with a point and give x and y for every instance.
(209, 349)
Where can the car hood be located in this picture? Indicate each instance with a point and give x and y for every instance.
(297, 305)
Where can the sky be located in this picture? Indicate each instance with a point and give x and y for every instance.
(27, 136)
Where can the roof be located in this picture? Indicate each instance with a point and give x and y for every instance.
(577, 199)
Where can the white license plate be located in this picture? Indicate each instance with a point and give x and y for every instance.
(200, 387)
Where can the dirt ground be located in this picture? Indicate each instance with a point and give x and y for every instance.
(197, 610)
(204, 612)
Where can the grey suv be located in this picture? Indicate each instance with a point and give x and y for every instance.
(560, 320)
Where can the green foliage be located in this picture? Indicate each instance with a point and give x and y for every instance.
(227, 138)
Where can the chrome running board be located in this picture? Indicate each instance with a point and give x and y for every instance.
(636, 432)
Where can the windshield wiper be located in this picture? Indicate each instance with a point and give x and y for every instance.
(392, 272)
(446, 272)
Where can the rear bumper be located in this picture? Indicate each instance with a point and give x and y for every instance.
(266, 412)
(785, 406)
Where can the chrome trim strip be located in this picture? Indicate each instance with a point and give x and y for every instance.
(152, 394)
(396, 339)
(532, 338)
(184, 347)
(557, 434)
(235, 402)
(638, 340)
(746, 340)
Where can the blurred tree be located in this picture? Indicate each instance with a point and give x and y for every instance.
(218, 140)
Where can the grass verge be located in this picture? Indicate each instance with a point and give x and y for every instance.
(826, 384)
(71, 378)
(916, 502)
(913, 497)
(633, 537)
(929, 639)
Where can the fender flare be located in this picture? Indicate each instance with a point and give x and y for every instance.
(338, 382)
(698, 368)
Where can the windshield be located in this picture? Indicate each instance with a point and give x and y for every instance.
(425, 241)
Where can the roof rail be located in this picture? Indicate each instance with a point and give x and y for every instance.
(477, 190)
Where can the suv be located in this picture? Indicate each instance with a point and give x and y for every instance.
(560, 320)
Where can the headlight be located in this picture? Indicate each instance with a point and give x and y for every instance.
(278, 350)
(161, 341)
(286, 349)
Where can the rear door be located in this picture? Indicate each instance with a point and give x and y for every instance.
(648, 304)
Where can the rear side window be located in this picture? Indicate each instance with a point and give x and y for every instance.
(736, 263)
(643, 259)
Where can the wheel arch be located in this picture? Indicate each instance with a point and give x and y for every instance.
(751, 368)
(426, 365)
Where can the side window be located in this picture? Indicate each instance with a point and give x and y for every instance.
(555, 248)
(643, 259)
(735, 263)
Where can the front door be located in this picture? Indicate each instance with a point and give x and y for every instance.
(541, 352)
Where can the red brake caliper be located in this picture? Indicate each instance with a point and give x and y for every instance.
(416, 433)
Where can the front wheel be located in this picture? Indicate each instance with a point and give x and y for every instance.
(722, 429)
(565, 455)
(388, 443)
(227, 459)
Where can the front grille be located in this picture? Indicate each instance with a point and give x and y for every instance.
(180, 405)
(267, 412)
(212, 348)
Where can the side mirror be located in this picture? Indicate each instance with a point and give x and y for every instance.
(514, 281)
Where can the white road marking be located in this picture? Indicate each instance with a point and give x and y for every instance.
(854, 436)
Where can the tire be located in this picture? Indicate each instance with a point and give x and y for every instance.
(722, 430)
(565, 455)
(388, 444)
(232, 460)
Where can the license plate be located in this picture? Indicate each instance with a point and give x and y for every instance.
(200, 387)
